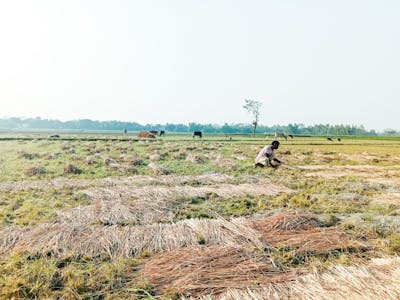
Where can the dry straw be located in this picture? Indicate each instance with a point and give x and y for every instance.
(199, 270)
(380, 279)
(303, 233)
(74, 239)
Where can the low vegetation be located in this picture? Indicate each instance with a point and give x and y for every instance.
(174, 217)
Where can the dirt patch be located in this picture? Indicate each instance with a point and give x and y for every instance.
(196, 271)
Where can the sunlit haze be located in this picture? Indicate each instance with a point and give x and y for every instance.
(186, 61)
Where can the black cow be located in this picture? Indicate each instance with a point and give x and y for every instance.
(162, 132)
(290, 135)
(197, 133)
(155, 132)
(339, 139)
(55, 136)
(329, 139)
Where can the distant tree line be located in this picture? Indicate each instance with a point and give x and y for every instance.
(86, 124)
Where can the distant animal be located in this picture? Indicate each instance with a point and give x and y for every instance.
(125, 131)
(155, 132)
(280, 134)
(290, 135)
(339, 139)
(197, 133)
(146, 134)
(55, 136)
(329, 139)
(162, 132)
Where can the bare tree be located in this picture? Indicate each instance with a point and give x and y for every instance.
(253, 107)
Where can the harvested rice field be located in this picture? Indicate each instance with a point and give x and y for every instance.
(105, 217)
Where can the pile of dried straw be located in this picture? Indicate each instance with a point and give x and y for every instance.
(199, 270)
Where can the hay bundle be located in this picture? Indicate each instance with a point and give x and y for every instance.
(134, 160)
(180, 155)
(52, 156)
(35, 170)
(155, 157)
(129, 169)
(29, 156)
(225, 163)
(159, 170)
(198, 270)
(90, 160)
(76, 157)
(194, 158)
(71, 169)
(109, 162)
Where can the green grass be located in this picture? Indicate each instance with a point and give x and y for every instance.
(35, 206)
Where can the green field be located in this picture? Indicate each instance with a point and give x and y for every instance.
(111, 216)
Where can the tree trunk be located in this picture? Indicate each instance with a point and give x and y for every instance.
(254, 130)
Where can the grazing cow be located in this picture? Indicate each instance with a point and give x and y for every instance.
(291, 136)
(55, 136)
(162, 132)
(329, 139)
(146, 134)
(280, 134)
(339, 139)
(155, 132)
(197, 133)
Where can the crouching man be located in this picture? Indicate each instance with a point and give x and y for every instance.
(266, 157)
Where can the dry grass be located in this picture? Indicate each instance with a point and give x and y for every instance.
(289, 220)
(380, 279)
(149, 204)
(225, 163)
(74, 239)
(35, 170)
(158, 170)
(195, 158)
(90, 160)
(312, 240)
(139, 180)
(199, 270)
(71, 169)
(390, 198)
(303, 233)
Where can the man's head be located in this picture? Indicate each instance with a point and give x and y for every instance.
(275, 144)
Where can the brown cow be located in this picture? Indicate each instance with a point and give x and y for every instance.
(146, 134)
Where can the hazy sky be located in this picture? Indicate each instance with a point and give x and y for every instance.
(197, 60)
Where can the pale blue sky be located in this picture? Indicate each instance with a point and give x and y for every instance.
(181, 61)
